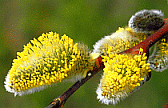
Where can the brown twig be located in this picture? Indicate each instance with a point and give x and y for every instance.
(145, 45)
(150, 41)
(60, 101)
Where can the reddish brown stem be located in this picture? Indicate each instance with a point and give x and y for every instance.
(145, 45)
(151, 40)
(60, 101)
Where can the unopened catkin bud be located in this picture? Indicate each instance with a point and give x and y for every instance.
(146, 21)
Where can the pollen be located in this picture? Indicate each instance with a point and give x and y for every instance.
(140, 36)
(46, 60)
(159, 57)
(121, 40)
(163, 46)
(122, 74)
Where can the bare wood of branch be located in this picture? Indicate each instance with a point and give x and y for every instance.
(145, 45)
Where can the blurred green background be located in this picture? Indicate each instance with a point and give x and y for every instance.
(85, 21)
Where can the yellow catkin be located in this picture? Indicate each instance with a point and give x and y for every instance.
(163, 47)
(159, 58)
(122, 74)
(121, 40)
(139, 36)
(47, 60)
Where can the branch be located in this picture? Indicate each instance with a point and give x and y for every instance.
(145, 45)
(150, 41)
(60, 101)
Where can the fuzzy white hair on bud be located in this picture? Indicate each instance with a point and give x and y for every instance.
(146, 21)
